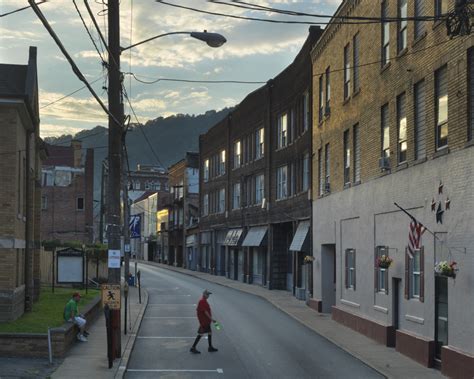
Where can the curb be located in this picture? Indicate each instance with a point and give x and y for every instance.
(171, 268)
(123, 364)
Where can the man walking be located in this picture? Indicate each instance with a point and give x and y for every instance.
(71, 314)
(204, 316)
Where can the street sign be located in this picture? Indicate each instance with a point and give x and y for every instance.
(114, 258)
(111, 295)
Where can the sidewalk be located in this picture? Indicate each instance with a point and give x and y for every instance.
(387, 361)
(89, 359)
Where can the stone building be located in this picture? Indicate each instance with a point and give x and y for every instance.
(67, 195)
(394, 132)
(255, 180)
(21, 152)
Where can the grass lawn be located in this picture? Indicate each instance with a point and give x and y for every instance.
(48, 311)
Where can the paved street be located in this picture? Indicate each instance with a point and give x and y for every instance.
(257, 340)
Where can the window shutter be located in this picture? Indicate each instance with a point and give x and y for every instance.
(355, 267)
(386, 275)
(376, 270)
(422, 274)
(407, 274)
(347, 270)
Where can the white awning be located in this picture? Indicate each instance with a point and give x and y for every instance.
(233, 237)
(300, 236)
(255, 236)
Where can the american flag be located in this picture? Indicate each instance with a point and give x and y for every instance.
(414, 236)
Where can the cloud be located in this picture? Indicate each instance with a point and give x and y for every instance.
(54, 130)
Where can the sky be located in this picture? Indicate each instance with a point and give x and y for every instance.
(255, 51)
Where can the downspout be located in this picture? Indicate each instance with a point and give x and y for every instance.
(28, 300)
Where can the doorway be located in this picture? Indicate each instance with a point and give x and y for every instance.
(328, 277)
(441, 314)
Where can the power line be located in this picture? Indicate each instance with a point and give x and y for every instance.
(74, 67)
(257, 7)
(188, 80)
(20, 9)
(69, 94)
(264, 19)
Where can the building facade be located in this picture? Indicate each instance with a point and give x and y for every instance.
(255, 177)
(21, 151)
(67, 194)
(391, 137)
(183, 207)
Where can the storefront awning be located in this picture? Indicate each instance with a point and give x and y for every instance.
(255, 236)
(233, 237)
(300, 236)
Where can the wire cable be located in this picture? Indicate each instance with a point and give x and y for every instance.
(189, 81)
(21, 9)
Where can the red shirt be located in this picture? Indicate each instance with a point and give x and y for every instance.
(203, 306)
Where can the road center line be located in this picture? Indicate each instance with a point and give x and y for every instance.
(219, 370)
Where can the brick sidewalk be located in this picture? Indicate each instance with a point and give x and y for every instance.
(387, 361)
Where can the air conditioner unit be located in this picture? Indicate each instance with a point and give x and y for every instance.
(384, 163)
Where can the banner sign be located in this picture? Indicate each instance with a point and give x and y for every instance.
(135, 226)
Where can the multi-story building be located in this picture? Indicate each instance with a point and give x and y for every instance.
(255, 181)
(183, 206)
(393, 132)
(67, 195)
(144, 180)
(21, 152)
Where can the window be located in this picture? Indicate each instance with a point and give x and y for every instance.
(44, 202)
(385, 132)
(80, 204)
(385, 35)
(47, 179)
(327, 110)
(320, 172)
(414, 274)
(350, 256)
(259, 188)
(282, 130)
(147, 185)
(327, 186)
(402, 128)
(221, 200)
(356, 143)
(419, 24)
(381, 274)
(205, 205)
(305, 184)
(441, 7)
(282, 183)
(355, 62)
(291, 135)
(347, 158)
(222, 163)
(470, 67)
(321, 99)
(237, 154)
(236, 196)
(248, 193)
(136, 184)
(206, 170)
(259, 143)
(347, 73)
(441, 93)
(402, 25)
(420, 116)
(306, 109)
(292, 179)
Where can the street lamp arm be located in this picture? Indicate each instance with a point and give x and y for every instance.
(212, 39)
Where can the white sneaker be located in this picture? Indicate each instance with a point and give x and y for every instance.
(81, 338)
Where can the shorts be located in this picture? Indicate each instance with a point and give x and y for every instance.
(79, 321)
(203, 329)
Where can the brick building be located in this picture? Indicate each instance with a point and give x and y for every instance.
(183, 206)
(21, 152)
(255, 180)
(396, 131)
(67, 194)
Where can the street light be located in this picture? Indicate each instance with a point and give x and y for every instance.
(212, 39)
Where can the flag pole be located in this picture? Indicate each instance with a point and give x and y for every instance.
(414, 219)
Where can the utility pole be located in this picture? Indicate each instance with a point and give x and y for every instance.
(114, 157)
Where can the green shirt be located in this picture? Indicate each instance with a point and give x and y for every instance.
(71, 306)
